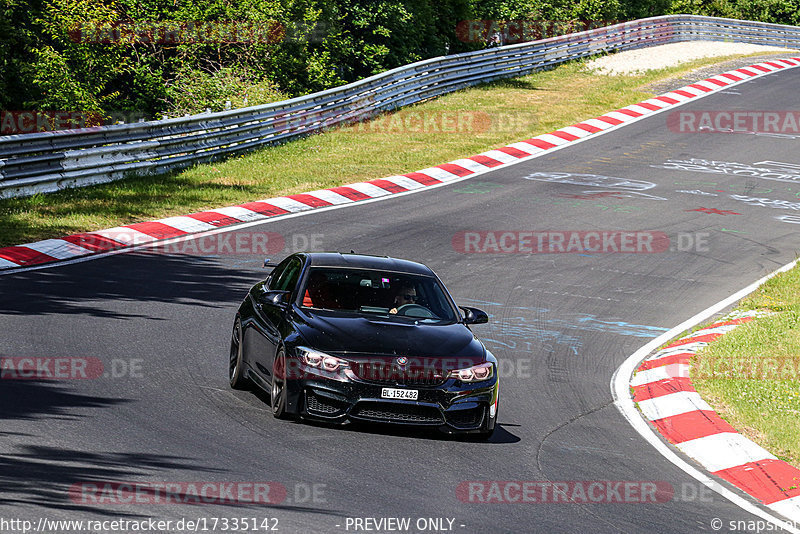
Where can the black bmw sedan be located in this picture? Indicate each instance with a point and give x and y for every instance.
(344, 337)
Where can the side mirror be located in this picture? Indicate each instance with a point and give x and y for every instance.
(474, 315)
(274, 298)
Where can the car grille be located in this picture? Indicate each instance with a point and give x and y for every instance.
(398, 413)
(323, 405)
(466, 418)
(389, 373)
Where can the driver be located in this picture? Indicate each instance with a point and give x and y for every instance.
(406, 294)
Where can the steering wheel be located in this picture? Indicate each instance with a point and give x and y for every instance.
(415, 310)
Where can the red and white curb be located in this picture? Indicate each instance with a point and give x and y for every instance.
(663, 390)
(143, 233)
(624, 402)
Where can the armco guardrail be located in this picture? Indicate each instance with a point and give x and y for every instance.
(48, 161)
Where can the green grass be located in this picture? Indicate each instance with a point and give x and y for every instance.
(751, 375)
(517, 109)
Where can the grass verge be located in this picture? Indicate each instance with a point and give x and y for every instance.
(751, 375)
(503, 112)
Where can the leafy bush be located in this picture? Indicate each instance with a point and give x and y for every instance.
(194, 91)
(86, 55)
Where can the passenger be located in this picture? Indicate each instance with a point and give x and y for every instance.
(318, 292)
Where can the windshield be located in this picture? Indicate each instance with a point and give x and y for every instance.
(369, 291)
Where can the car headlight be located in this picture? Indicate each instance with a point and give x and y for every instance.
(320, 360)
(476, 373)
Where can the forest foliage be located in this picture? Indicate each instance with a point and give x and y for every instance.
(151, 58)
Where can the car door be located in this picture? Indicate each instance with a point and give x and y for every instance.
(271, 316)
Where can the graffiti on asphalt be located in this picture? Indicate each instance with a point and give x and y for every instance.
(697, 192)
(767, 202)
(591, 180)
(766, 170)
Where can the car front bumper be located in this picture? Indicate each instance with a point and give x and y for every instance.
(454, 406)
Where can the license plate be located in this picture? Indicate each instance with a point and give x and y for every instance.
(392, 393)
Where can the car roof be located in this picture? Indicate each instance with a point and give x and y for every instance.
(337, 259)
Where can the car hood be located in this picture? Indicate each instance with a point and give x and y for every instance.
(357, 336)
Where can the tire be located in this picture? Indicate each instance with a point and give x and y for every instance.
(236, 375)
(277, 395)
(486, 434)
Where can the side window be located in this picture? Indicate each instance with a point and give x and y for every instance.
(287, 280)
(276, 273)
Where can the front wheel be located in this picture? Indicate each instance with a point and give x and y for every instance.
(483, 436)
(236, 365)
(491, 421)
(278, 391)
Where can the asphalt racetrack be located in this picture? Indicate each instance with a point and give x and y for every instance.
(561, 323)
